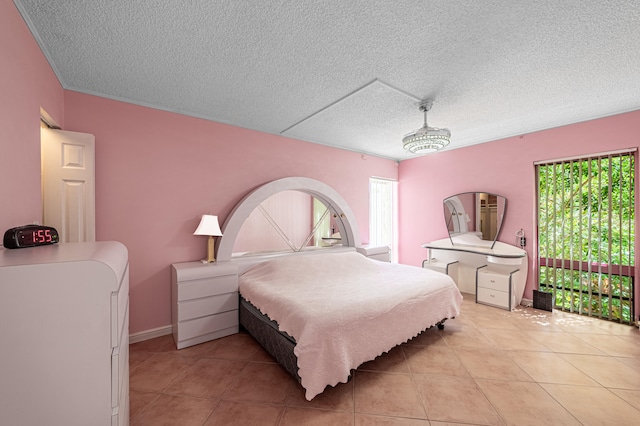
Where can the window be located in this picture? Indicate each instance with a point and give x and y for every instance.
(586, 234)
(321, 222)
(383, 205)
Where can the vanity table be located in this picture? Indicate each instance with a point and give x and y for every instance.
(497, 276)
(494, 271)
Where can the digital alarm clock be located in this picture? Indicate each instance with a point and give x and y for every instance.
(30, 236)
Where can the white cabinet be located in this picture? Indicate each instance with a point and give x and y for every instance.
(495, 288)
(64, 328)
(205, 302)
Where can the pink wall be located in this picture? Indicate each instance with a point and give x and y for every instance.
(504, 167)
(26, 84)
(157, 172)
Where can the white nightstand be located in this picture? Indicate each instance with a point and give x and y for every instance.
(381, 253)
(204, 301)
(495, 288)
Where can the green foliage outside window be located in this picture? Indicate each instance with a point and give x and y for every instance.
(586, 235)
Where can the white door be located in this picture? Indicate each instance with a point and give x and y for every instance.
(68, 184)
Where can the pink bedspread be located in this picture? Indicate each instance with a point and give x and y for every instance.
(344, 309)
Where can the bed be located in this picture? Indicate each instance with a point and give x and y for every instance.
(326, 308)
(323, 312)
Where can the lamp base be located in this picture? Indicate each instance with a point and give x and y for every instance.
(210, 252)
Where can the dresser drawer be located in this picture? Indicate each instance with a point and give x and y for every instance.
(493, 280)
(199, 326)
(202, 307)
(493, 297)
(119, 309)
(120, 413)
(120, 364)
(205, 287)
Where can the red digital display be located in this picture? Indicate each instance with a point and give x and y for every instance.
(39, 236)
(30, 236)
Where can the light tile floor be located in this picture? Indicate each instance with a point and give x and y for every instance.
(487, 367)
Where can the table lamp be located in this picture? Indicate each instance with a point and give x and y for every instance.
(209, 226)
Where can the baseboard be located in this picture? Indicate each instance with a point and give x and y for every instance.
(150, 334)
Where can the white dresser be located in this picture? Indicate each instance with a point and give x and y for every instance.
(64, 328)
(205, 302)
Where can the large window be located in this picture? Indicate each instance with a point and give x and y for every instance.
(586, 234)
(383, 205)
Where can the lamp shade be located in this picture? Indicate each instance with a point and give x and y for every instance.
(208, 226)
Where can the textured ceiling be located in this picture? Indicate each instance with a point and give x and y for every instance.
(351, 73)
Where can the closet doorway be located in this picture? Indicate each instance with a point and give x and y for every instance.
(68, 183)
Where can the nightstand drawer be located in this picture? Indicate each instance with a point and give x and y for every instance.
(200, 326)
(493, 297)
(205, 287)
(493, 280)
(202, 307)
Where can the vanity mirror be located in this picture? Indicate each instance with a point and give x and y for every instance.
(474, 218)
(494, 271)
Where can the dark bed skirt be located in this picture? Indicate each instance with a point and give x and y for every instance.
(279, 345)
(265, 331)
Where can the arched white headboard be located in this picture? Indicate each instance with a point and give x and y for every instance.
(344, 217)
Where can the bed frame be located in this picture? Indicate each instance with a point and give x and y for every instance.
(278, 344)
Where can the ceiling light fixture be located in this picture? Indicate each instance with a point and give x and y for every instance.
(426, 139)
